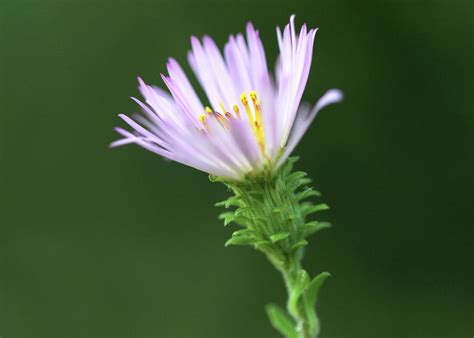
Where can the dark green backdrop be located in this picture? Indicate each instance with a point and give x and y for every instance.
(119, 243)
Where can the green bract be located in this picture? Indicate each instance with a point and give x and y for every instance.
(272, 211)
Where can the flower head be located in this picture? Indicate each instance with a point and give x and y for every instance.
(253, 120)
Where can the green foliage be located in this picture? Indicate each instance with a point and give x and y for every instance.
(272, 211)
(275, 207)
(279, 236)
(281, 321)
(310, 299)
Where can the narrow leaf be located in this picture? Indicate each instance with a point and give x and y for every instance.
(313, 227)
(294, 182)
(221, 203)
(308, 192)
(295, 177)
(241, 210)
(304, 181)
(299, 244)
(308, 208)
(281, 321)
(224, 215)
(314, 286)
(288, 166)
(231, 201)
(263, 245)
(310, 298)
(301, 283)
(244, 232)
(279, 236)
(240, 240)
(228, 217)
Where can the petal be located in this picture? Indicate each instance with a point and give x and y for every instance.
(292, 74)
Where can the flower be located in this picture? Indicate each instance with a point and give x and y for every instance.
(253, 121)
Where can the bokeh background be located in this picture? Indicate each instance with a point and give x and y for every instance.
(119, 243)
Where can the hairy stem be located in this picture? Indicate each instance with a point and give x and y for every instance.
(289, 273)
(272, 211)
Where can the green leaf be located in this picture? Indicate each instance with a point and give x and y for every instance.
(281, 321)
(288, 166)
(299, 244)
(220, 204)
(245, 232)
(308, 192)
(228, 217)
(308, 208)
(305, 181)
(310, 299)
(240, 240)
(315, 285)
(263, 244)
(231, 201)
(313, 227)
(301, 283)
(241, 210)
(294, 180)
(295, 176)
(243, 237)
(279, 236)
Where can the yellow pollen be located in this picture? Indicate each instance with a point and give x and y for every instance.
(236, 110)
(256, 106)
(202, 118)
(256, 122)
(253, 95)
(245, 102)
(222, 107)
(254, 114)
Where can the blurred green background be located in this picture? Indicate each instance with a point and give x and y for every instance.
(119, 243)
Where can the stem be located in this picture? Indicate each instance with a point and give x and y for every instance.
(289, 273)
(273, 215)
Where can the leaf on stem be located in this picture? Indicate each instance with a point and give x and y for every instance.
(281, 321)
(279, 236)
(310, 298)
(313, 227)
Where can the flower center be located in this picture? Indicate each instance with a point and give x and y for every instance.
(253, 111)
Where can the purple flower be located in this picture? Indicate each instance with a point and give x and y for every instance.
(253, 121)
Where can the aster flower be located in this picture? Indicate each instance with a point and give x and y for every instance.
(243, 137)
(252, 121)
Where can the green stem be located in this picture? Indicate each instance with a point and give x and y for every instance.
(272, 211)
(289, 273)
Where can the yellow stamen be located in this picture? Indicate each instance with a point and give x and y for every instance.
(254, 115)
(202, 118)
(258, 120)
(255, 122)
(256, 105)
(222, 107)
(236, 110)
(245, 102)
